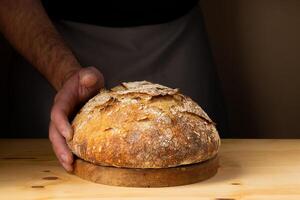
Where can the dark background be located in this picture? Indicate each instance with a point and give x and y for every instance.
(256, 48)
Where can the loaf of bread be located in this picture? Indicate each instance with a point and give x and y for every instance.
(143, 125)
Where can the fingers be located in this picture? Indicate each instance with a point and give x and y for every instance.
(60, 148)
(60, 119)
(90, 82)
(91, 77)
(65, 101)
(77, 89)
(87, 77)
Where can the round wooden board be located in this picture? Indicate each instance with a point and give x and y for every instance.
(131, 177)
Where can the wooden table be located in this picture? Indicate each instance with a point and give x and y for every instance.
(250, 169)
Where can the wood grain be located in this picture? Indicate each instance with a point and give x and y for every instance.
(249, 170)
(164, 177)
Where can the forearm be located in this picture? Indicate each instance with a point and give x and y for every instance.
(27, 27)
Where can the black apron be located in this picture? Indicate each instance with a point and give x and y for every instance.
(175, 54)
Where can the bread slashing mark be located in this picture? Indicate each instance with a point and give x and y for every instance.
(144, 118)
(108, 128)
(146, 88)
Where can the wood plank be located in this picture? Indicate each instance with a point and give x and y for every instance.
(249, 169)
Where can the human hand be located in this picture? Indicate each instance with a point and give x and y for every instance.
(80, 86)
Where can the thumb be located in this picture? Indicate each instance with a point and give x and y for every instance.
(89, 77)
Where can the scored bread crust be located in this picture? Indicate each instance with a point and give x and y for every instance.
(143, 125)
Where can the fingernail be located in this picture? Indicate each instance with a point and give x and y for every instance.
(67, 167)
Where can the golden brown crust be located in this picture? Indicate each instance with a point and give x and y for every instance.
(143, 125)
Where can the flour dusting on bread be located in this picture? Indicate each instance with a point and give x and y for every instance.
(143, 125)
